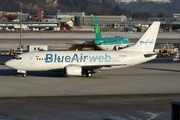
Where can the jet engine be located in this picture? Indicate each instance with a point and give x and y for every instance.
(117, 47)
(72, 71)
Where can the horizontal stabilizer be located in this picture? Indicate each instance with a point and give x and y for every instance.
(151, 54)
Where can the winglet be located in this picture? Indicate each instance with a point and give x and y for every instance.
(97, 29)
(147, 42)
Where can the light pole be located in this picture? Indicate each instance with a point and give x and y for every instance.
(21, 17)
(20, 46)
(179, 40)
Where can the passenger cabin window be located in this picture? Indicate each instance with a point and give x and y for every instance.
(44, 58)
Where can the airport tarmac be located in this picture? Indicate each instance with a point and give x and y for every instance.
(149, 78)
(61, 44)
(142, 92)
(71, 35)
(62, 41)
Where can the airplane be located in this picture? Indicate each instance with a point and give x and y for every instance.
(78, 63)
(103, 43)
(108, 43)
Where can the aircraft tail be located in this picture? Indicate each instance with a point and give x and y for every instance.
(147, 42)
(97, 29)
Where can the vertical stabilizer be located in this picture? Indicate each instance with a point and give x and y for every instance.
(147, 42)
(97, 29)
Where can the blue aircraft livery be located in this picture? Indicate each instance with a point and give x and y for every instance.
(78, 58)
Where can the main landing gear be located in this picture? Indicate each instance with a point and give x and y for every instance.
(89, 73)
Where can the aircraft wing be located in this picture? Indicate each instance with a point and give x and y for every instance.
(93, 67)
(81, 42)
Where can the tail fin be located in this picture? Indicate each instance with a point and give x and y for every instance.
(147, 42)
(97, 29)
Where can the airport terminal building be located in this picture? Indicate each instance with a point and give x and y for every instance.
(66, 20)
(80, 19)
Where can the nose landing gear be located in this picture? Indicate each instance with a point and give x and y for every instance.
(24, 74)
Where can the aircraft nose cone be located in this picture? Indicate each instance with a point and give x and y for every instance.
(9, 63)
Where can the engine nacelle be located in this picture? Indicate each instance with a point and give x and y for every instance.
(117, 47)
(73, 71)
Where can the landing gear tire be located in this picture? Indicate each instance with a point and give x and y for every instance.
(116, 48)
(88, 75)
(24, 74)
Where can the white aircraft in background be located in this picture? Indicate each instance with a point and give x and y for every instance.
(77, 63)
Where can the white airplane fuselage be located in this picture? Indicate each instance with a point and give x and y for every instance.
(54, 60)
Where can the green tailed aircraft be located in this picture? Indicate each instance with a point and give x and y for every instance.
(108, 43)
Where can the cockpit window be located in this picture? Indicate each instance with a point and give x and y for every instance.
(17, 57)
(101, 43)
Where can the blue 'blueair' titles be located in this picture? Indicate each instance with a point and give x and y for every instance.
(78, 58)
